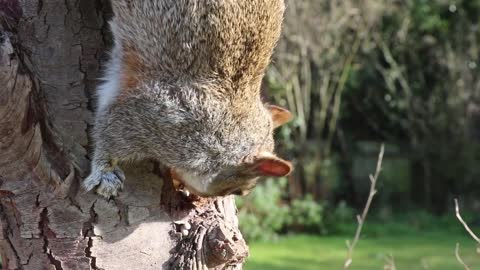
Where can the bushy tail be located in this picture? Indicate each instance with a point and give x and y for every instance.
(231, 37)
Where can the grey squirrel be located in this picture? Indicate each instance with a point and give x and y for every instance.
(182, 86)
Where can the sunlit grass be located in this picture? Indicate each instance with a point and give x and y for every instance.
(411, 252)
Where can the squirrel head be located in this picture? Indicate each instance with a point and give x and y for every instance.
(240, 177)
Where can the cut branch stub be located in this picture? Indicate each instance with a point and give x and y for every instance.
(213, 241)
(224, 245)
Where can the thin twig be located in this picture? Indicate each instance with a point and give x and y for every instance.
(425, 264)
(390, 263)
(467, 228)
(457, 213)
(361, 219)
(459, 259)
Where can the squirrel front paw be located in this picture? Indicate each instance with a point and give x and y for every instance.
(106, 182)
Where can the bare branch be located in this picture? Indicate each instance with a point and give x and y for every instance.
(459, 259)
(467, 228)
(362, 218)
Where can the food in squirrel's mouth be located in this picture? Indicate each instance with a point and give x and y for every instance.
(177, 182)
(179, 186)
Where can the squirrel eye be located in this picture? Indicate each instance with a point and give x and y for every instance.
(237, 192)
(247, 159)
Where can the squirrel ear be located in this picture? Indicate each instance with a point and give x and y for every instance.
(272, 166)
(280, 115)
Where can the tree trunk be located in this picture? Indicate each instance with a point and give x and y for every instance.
(50, 57)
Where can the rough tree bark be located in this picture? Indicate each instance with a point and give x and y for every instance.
(50, 58)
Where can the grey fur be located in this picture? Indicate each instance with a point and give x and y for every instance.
(192, 96)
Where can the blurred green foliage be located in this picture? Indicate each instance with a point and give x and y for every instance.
(359, 73)
(264, 214)
(418, 86)
(306, 215)
(401, 72)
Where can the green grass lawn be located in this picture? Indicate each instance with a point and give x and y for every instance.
(420, 251)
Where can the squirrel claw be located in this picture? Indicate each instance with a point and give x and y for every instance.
(106, 183)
